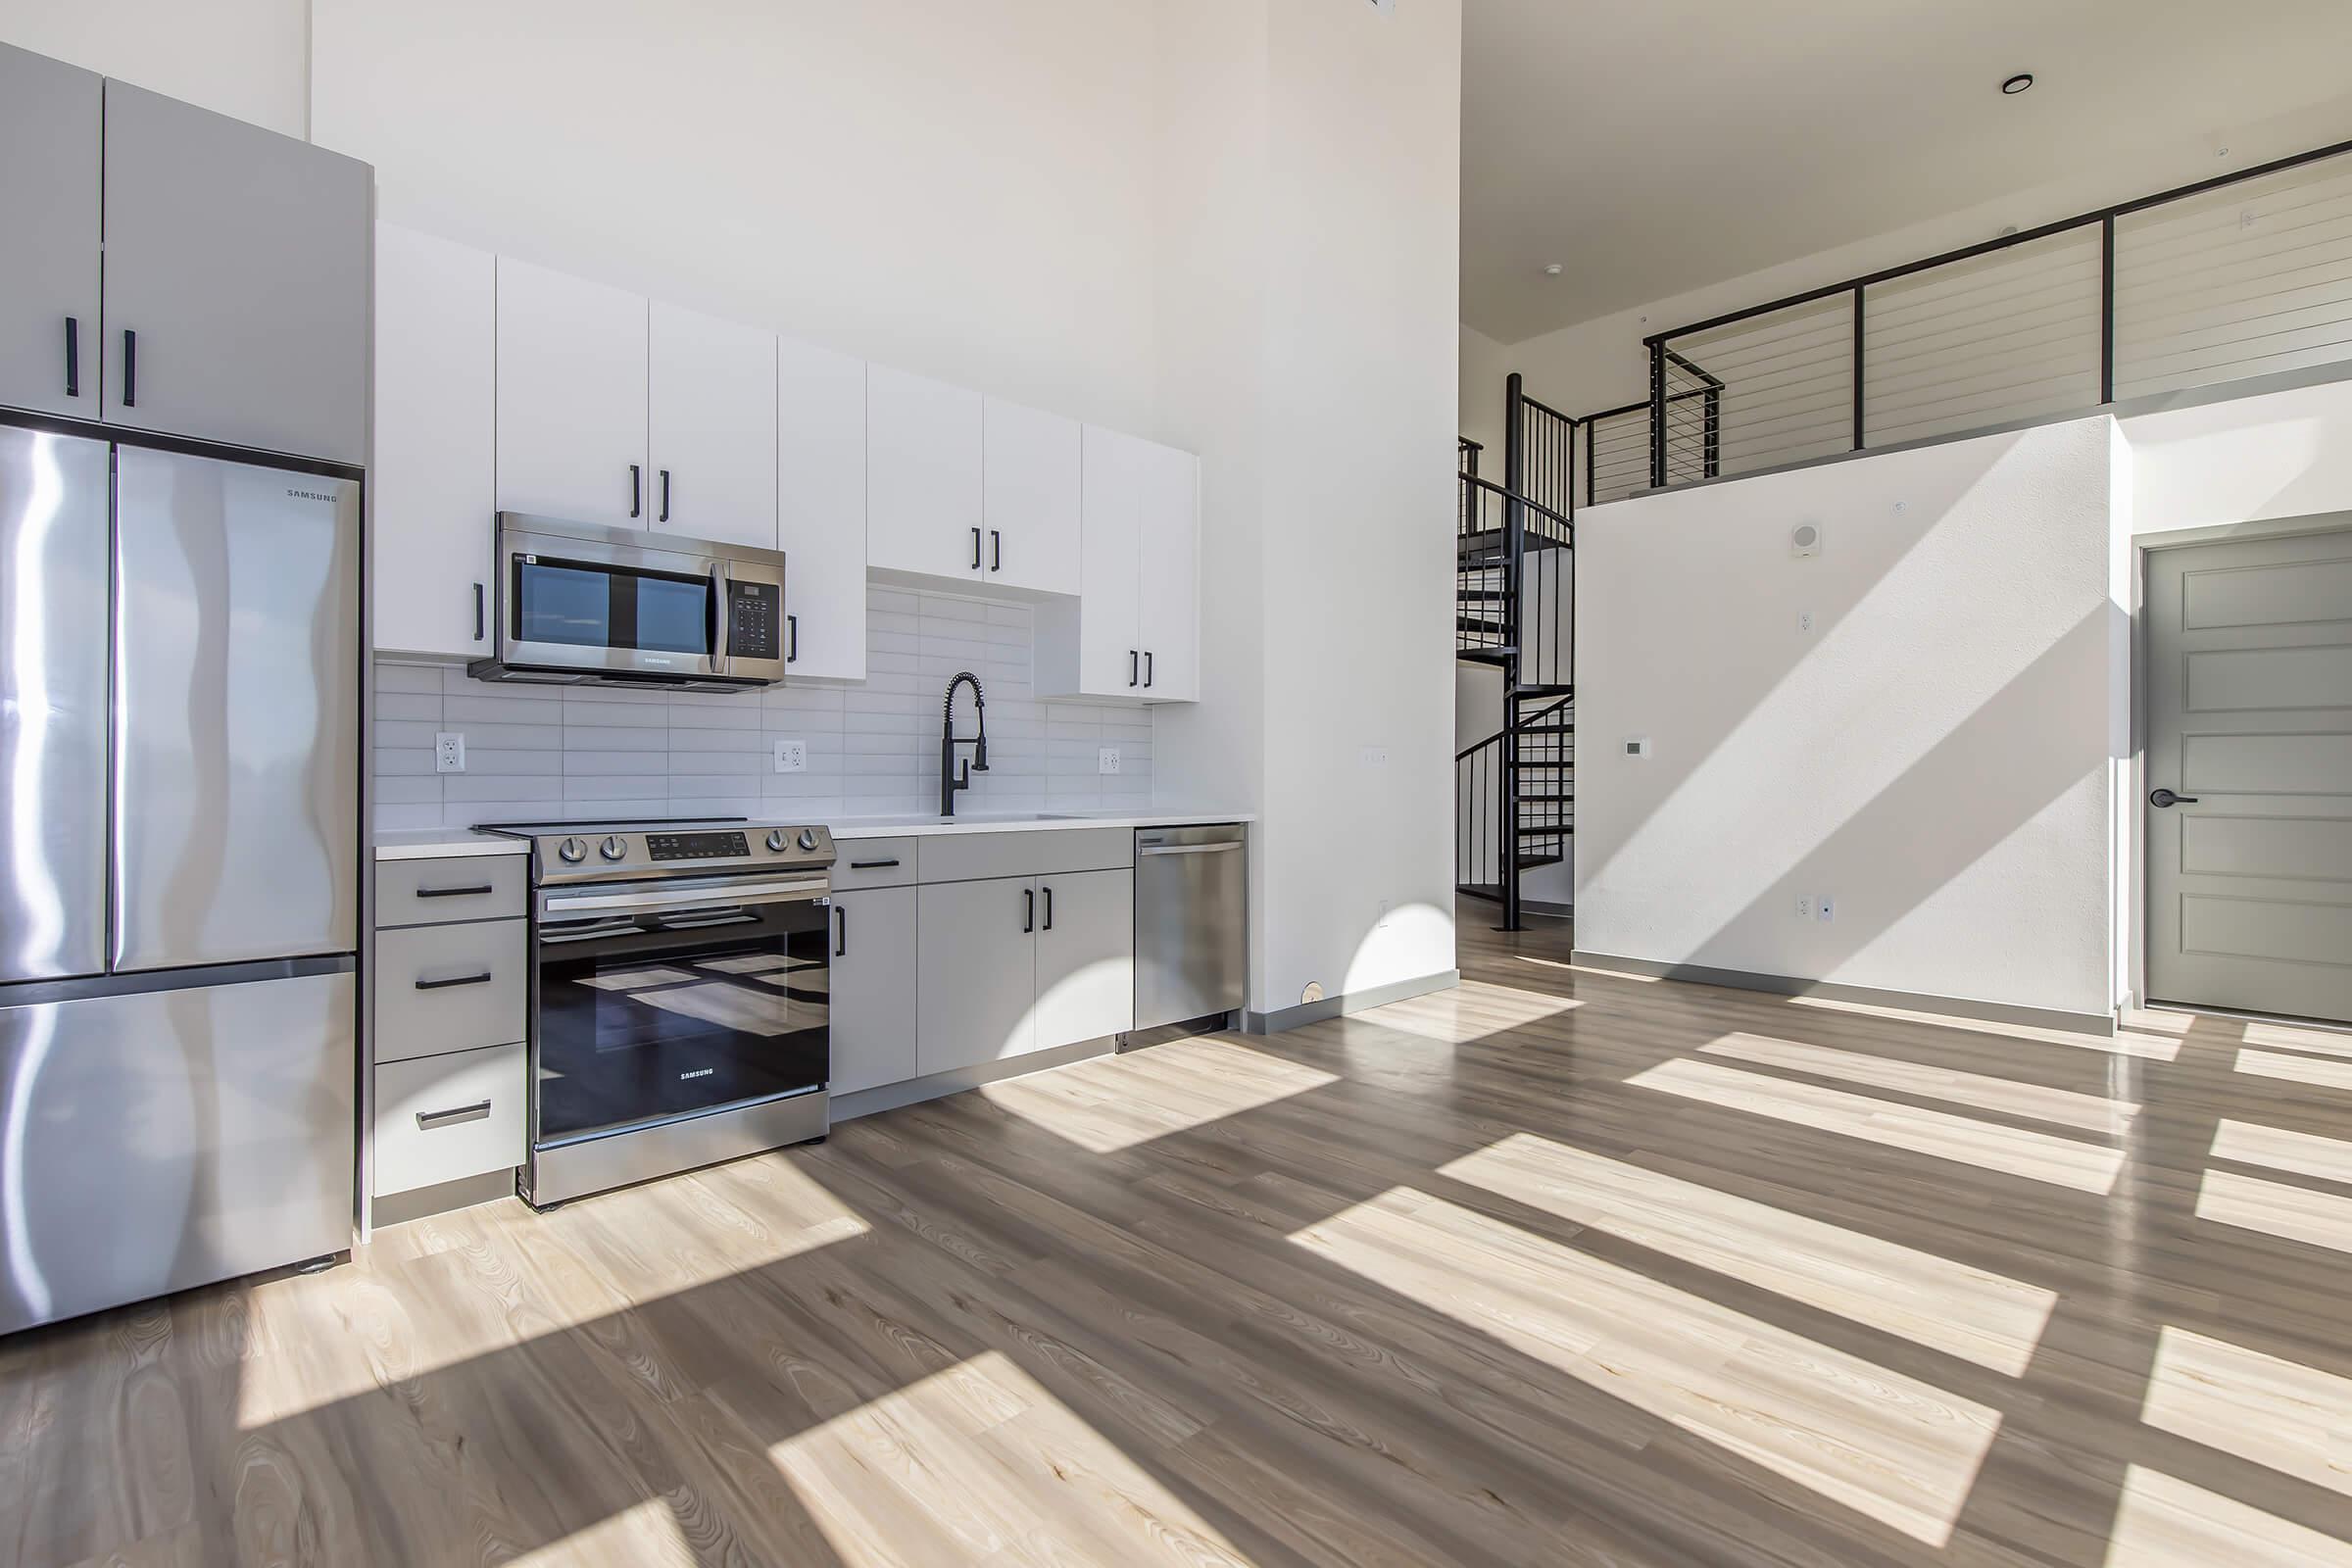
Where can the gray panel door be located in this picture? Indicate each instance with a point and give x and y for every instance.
(238, 260)
(171, 1138)
(2249, 694)
(873, 1004)
(49, 185)
(236, 706)
(978, 973)
(53, 566)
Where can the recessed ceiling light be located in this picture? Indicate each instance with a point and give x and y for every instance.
(2018, 83)
(1552, 269)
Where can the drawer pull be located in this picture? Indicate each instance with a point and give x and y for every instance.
(443, 984)
(427, 1120)
(471, 890)
(872, 866)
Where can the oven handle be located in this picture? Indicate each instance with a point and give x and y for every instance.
(705, 896)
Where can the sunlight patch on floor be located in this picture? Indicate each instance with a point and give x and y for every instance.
(1969, 1312)
(982, 1464)
(2283, 1148)
(1887, 1446)
(2163, 1522)
(2281, 1414)
(646, 1532)
(2295, 1070)
(1469, 1012)
(2293, 1037)
(1988, 1146)
(1191, 1083)
(2093, 1112)
(1586, 969)
(2293, 1213)
(2151, 1045)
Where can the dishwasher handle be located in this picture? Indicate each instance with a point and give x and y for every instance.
(1190, 849)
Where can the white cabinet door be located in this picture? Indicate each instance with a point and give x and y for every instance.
(922, 475)
(977, 973)
(50, 352)
(876, 960)
(432, 478)
(821, 488)
(1169, 513)
(1085, 957)
(1109, 637)
(572, 373)
(712, 427)
(1030, 483)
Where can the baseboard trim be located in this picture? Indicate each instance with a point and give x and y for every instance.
(915, 1091)
(442, 1197)
(1306, 1012)
(1782, 985)
(1565, 912)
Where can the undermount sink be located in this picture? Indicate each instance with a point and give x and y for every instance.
(935, 820)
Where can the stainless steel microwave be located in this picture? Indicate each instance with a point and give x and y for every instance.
(582, 604)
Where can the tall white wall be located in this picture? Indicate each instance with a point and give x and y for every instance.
(246, 57)
(2243, 459)
(1936, 755)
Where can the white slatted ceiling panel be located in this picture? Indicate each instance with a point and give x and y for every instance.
(2013, 334)
(2244, 280)
(1788, 388)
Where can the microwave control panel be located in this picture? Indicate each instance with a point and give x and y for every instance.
(754, 621)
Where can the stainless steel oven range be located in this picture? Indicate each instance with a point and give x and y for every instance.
(679, 995)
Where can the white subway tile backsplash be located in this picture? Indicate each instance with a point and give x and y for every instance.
(554, 751)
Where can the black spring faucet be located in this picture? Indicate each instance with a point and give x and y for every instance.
(949, 781)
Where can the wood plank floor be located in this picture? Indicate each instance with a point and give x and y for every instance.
(1556, 1269)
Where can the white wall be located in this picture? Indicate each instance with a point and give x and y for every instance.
(2243, 459)
(1936, 755)
(1485, 366)
(246, 57)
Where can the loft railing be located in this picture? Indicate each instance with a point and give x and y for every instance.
(2245, 274)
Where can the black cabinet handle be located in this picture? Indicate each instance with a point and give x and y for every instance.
(481, 979)
(470, 890)
(664, 517)
(868, 865)
(478, 611)
(72, 358)
(792, 638)
(1131, 666)
(131, 369)
(1028, 911)
(1048, 909)
(841, 939)
(636, 490)
(975, 547)
(995, 550)
(1146, 667)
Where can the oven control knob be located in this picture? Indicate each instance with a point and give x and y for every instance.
(775, 841)
(615, 847)
(573, 851)
(807, 839)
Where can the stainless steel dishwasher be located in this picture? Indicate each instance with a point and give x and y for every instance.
(1192, 913)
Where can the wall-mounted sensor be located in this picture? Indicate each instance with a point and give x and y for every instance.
(1637, 746)
(1805, 539)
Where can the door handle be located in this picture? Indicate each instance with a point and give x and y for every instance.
(841, 931)
(131, 369)
(72, 358)
(1146, 667)
(792, 638)
(1130, 665)
(636, 490)
(975, 547)
(664, 517)
(1048, 908)
(467, 891)
(868, 865)
(995, 550)
(2162, 798)
(427, 1120)
(1028, 911)
(481, 979)
(478, 611)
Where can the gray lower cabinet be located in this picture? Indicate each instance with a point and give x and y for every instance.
(874, 1007)
(976, 973)
(1085, 957)
(443, 1118)
(49, 185)
(235, 303)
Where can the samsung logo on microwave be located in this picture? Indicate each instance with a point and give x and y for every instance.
(699, 1072)
(313, 495)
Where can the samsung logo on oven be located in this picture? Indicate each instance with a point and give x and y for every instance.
(312, 495)
(699, 1072)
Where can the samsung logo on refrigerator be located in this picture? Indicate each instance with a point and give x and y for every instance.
(699, 1072)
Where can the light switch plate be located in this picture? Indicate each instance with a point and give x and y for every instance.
(1375, 756)
(791, 757)
(449, 752)
(1107, 759)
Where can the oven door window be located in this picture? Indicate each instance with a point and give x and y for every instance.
(645, 1016)
(587, 605)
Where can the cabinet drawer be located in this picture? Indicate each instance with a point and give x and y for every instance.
(971, 857)
(873, 862)
(443, 988)
(447, 1118)
(436, 891)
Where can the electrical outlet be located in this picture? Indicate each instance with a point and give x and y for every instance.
(791, 757)
(1804, 620)
(1804, 907)
(1828, 910)
(1375, 756)
(1107, 759)
(448, 752)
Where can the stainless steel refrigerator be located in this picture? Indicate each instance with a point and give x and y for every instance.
(179, 827)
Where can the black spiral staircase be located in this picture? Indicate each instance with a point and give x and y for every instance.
(1514, 586)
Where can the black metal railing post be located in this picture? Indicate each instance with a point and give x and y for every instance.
(1712, 448)
(1589, 492)
(1657, 413)
(2107, 309)
(1859, 434)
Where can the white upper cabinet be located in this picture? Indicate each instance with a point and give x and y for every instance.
(1168, 518)
(923, 445)
(571, 396)
(432, 477)
(821, 403)
(1029, 499)
(712, 438)
(50, 351)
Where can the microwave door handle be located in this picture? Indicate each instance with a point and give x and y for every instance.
(723, 643)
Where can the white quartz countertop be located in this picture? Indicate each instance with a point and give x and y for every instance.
(422, 844)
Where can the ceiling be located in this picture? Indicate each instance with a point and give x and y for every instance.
(1658, 146)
